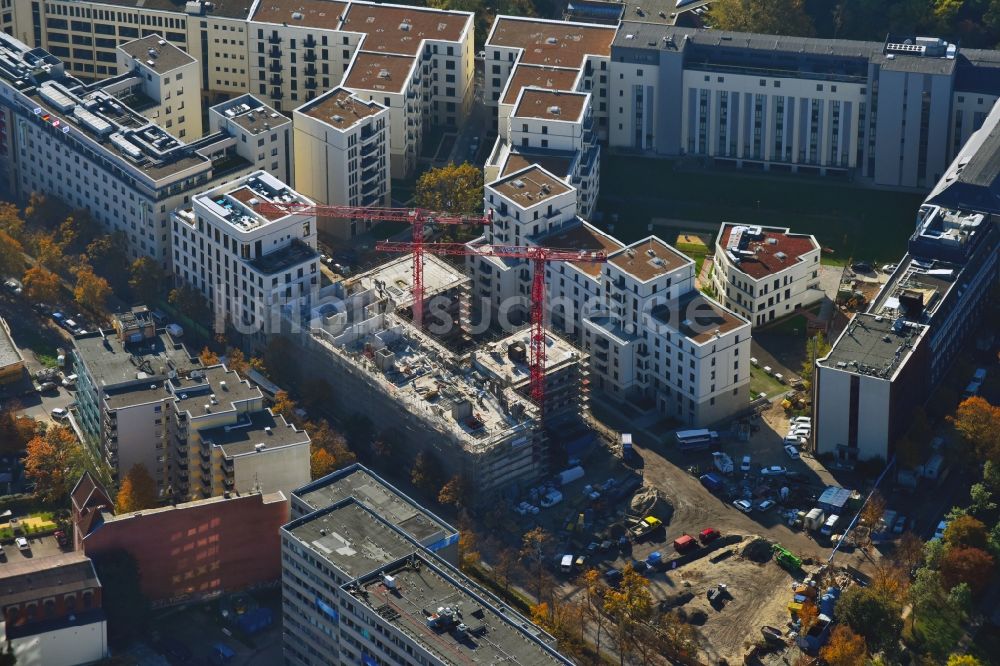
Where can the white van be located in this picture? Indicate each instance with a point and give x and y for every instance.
(830, 525)
(566, 565)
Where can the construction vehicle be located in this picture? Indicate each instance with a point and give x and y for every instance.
(645, 527)
(786, 558)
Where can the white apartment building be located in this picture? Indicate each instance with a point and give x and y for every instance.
(246, 261)
(581, 50)
(765, 273)
(171, 82)
(648, 331)
(257, 132)
(342, 154)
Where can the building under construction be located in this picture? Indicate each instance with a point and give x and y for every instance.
(465, 403)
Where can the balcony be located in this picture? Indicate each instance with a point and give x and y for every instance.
(275, 67)
(310, 84)
(276, 80)
(277, 94)
(309, 42)
(274, 52)
(368, 175)
(206, 456)
(206, 480)
(311, 70)
(274, 39)
(309, 56)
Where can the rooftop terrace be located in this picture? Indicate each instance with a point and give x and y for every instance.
(558, 163)
(237, 202)
(582, 236)
(552, 43)
(251, 114)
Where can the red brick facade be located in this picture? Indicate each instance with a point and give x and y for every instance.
(200, 549)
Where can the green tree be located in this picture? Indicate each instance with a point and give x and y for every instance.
(816, 348)
(873, 616)
(124, 603)
(937, 617)
(108, 256)
(451, 189)
(92, 291)
(146, 279)
(772, 17)
(137, 491)
(963, 660)
(191, 304)
(11, 255)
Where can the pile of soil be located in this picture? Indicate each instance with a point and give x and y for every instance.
(758, 550)
(649, 501)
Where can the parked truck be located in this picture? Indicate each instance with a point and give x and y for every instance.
(570, 475)
(645, 527)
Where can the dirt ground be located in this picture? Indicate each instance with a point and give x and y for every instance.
(760, 594)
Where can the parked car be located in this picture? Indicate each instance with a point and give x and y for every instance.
(13, 286)
(792, 440)
(765, 505)
(745, 465)
(69, 380)
(709, 534)
(61, 538)
(773, 470)
(22, 544)
(59, 413)
(792, 452)
(939, 532)
(800, 419)
(888, 268)
(743, 505)
(45, 387)
(861, 267)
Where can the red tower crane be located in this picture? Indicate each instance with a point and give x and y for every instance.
(538, 256)
(417, 218)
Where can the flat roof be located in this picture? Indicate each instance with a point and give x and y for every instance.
(394, 279)
(194, 392)
(323, 14)
(252, 430)
(530, 186)
(351, 537)
(110, 362)
(237, 202)
(379, 72)
(556, 164)
(648, 259)
(220, 8)
(9, 353)
(869, 345)
(363, 486)
(339, 108)
(552, 43)
(551, 104)
(495, 634)
(251, 114)
(157, 53)
(402, 29)
(34, 578)
(551, 78)
(774, 249)
(583, 236)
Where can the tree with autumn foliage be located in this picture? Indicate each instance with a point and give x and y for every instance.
(873, 615)
(11, 255)
(979, 423)
(808, 615)
(963, 660)
(41, 285)
(628, 605)
(771, 17)
(190, 303)
(844, 648)
(321, 462)
(54, 462)
(468, 546)
(284, 405)
(92, 291)
(331, 441)
(455, 492)
(872, 512)
(48, 253)
(137, 491)
(535, 551)
(966, 531)
(961, 564)
(15, 431)
(208, 357)
(425, 472)
(451, 189)
(11, 221)
(595, 590)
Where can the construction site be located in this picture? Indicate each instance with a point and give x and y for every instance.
(465, 400)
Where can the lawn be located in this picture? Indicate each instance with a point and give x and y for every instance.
(851, 220)
(761, 382)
